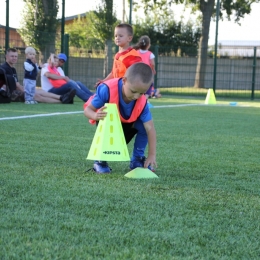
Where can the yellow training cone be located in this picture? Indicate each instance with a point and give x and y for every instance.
(109, 141)
(210, 99)
(141, 173)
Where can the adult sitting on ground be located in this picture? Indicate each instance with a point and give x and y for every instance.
(17, 89)
(54, 80)
(62, 59)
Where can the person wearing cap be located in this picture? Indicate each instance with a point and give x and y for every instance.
(62, 56)
(62, 59)
(54, 80)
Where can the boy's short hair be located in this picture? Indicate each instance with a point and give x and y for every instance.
(30, 50)
(127, 26)
(139, 71)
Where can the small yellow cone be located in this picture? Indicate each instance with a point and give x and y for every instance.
(210, 99)
(141, 173)
(109, 141)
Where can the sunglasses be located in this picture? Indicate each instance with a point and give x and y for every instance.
(63, 61)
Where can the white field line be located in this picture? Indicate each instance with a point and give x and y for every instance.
(40, 115)
(79, 112)
(180, 105)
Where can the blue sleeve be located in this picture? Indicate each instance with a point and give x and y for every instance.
(146, 114)
(101, 97)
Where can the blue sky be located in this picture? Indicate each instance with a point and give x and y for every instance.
(228, 30)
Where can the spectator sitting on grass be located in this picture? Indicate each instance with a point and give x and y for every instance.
(54, 80)
(17, 89)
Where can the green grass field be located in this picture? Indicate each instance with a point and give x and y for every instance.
(204, 205)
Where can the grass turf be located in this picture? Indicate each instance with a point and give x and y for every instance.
(204, 205)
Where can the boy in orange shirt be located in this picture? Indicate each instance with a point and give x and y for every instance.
(126, 56)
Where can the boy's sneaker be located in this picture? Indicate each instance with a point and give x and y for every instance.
(139, 162)
(30, 102)
(101, 167)
(3, 92)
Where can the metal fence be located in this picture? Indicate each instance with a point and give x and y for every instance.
(236, 76)
(237, 71)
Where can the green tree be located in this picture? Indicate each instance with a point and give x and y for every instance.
(81, 35)
(229, 8)
(170, 35)
(39, 25)
(93, 27)
(95, 31)
(103, 21)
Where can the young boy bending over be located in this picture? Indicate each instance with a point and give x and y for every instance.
(128, 94)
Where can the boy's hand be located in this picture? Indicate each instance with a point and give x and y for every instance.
(98, 82)
(150, 160)
(101, 114)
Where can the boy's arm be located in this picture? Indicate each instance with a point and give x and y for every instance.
(151, 134)
(19, 86)
(39, 67)
(28, 66)
(109, 76)
(92, 113)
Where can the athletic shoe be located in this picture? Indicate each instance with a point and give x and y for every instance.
(139, 162)
(30, 102)
(68, 97)
(3, 92)
(101, 167)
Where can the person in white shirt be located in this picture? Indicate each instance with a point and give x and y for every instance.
(54, 80)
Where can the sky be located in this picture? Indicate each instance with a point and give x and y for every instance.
(249, 31)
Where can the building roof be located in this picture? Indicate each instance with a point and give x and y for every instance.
(239, 43)
(70, 18)
(238, 48)
(3, 26)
